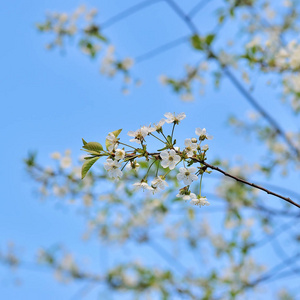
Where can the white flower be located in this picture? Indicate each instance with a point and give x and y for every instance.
(127, 63)
(159, 183)
(112, 167)
(66, 162)
(171, 118)
(202, 134)
(140, 134)
(190, 147)
(55, 155)
(169, 159)
(204, 148)
(112, 141)
(159, 125)
(142, 185)
(187, 175)
(200, 201)
(186, 197)
(133, 165)
(120, 154)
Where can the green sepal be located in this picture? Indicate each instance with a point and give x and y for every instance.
(87, 165)
(165, 148)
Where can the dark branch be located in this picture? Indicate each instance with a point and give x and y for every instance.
(249, 183)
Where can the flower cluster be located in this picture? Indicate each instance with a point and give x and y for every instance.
(165, 160)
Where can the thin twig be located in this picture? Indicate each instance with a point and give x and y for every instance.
(249, 183)
(197, 8)
(128, 12)
(161, 49)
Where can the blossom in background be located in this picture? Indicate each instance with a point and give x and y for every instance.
(190, 147)
(171, 118)
(112, 141)
(112, 167)
(120, 154)
(159, 183)
(169, 159)
(202, 134)
(66, 162)
(202, 201)
(187, 175)
(55, 155)
(142, 185)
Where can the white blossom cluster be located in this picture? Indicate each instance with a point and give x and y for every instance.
(163, 161)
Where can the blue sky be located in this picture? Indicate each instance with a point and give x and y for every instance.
(51, 100)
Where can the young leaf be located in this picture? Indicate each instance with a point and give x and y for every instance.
(92, 152)
(87, 165)
(93, 146)
(209, 39)
(84, 142)
(197, 42)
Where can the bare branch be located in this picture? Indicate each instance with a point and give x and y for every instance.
(197, 8)
(128, 12)
(249, 183)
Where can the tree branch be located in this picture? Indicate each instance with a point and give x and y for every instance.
(128, 12)
(249, 183)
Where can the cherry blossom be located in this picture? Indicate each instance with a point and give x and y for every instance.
(187, 175)
(169, 159)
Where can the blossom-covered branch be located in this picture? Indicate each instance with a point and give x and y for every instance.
(168, 157)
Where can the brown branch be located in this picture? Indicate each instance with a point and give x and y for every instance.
(157, 156)
(249, 183)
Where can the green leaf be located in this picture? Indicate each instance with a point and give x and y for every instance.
(84, 142)
(116, 134)
(87, 165)
(209, 39)
(93, 146)
(197, 43)
(93, 152)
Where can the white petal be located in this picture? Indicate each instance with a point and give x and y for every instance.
(180, 176)
(172, 152)
(181, 116)
(131, 133)
(164, 154)
(164, 163)
(177, 159)
(198, 131)
(172, 165)
(182, 170)
(168, 115)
